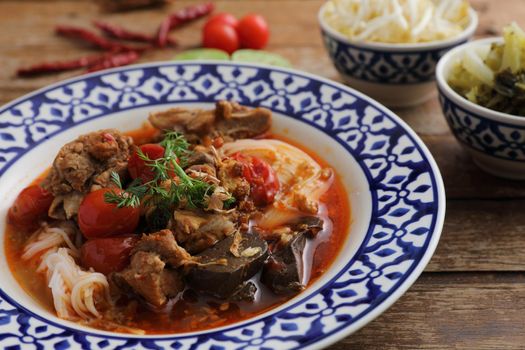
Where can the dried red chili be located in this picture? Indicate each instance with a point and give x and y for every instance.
(95, 39)
(181, 17)
(60, 66)
(115, 60)
(125, 5)
(117, 32)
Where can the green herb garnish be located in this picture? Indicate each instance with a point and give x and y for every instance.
(188, 192)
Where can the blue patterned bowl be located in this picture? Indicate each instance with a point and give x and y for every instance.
(393, 184)
(495, 140)
(398, 75)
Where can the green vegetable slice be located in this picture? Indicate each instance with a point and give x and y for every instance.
(258, 56)
(206, 54)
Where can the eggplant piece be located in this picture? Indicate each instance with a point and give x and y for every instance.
(220, 273)
(284, 271)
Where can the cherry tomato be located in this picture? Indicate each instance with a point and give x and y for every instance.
(225, 18)
(253, 32)
(106, 255)
(264, 183)
(220, 36)
(31, 205)
(138, 168)
(98, 219)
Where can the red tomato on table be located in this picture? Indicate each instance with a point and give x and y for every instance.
(220, 36)
(106, 255)
(253, 32)
(224, 18)
(98, 219)
(264, 183)
(31, 205)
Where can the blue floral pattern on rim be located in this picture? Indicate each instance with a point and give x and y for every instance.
(405, 185)
(385, 67)
(494, 138)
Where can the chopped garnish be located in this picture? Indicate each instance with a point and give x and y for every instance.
(164, 191)
(493, 76)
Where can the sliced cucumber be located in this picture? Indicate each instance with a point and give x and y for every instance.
(202, 54)
(258, 56)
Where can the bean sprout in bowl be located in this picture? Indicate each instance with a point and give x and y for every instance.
(396, 74)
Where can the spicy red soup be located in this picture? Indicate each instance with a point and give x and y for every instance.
(234, 222)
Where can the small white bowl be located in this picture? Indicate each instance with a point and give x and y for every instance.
(398, 75)
(495, 140)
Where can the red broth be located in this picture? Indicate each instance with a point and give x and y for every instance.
(191, 312)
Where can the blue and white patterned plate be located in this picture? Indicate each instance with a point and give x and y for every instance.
(394, 187)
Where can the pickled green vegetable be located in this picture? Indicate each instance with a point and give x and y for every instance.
(494, 77)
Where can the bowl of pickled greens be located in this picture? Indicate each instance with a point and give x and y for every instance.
(482, 94)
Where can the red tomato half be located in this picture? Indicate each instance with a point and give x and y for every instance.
(220, 36)
(31, 205)
(106, 255)
(264, 183)
(224, 18)
(138, 168)
(253, 32)
(98, 219)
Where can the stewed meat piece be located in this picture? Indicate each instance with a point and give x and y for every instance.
(239, 122)
(221, 273)
(164, 244)
(284, 271)
(197, 230)
(151, 273)
(148, 276)
(85, 165)
(229, 120)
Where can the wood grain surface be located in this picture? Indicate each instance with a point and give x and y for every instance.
(472, 292)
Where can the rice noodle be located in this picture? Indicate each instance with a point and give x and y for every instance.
(74, 290)
(46, 238)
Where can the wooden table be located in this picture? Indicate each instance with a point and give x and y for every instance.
(472, 294)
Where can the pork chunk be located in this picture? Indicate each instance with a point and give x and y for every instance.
(229, 120)
(148, 277)
(86, 163)
(163, 244)
(239, 122)
(196, 231)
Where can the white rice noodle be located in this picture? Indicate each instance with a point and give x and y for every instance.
(82, 294)
(300, 177)
(45, 238)
(74, 290)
